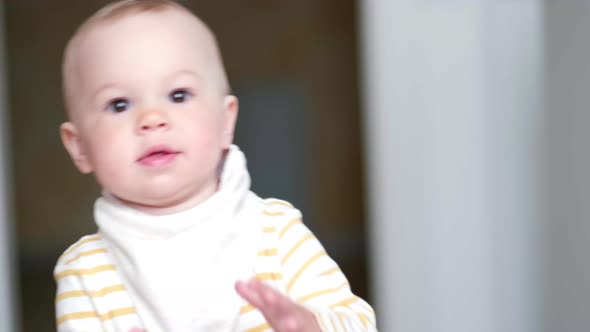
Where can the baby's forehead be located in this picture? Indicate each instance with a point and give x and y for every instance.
(107, 32)
(197, 42)
(171, 19)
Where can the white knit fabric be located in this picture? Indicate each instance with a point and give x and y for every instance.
(201, 251)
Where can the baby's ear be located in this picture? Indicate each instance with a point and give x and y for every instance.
(230, 113)
(74, 146)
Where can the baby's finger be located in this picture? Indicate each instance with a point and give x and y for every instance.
(282, 314)
(268, 295)
(278, 309)
(249, 293)
(274, 302)
(260, 295)
(266, 299)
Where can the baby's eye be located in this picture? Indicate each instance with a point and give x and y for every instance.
(179, 96)
(118, 105)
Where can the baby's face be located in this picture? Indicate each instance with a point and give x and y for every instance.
(149, 115)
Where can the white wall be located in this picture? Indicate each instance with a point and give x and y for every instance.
(452, 105)
(8, 301)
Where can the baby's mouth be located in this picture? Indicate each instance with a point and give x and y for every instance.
(157, 156)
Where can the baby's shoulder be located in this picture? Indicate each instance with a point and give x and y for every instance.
(88, 252)
(277, 209)
(276, 213)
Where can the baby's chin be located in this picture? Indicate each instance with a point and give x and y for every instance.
(159, 204)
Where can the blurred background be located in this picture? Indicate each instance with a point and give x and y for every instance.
(436, 148)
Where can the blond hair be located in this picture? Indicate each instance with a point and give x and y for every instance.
(120, 9)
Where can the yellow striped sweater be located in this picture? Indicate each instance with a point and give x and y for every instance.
(176, 273)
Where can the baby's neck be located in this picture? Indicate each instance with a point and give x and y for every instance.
(169, 207)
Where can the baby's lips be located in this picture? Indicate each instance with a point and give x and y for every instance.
(164, 149)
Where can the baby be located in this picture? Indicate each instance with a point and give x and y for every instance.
(182, 243)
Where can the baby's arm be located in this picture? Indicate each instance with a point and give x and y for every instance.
(315, 281)
(73, 307)
(90, 294)
(315, 288)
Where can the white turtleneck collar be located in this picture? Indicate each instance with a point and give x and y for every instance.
(111, 213)
(180, 268)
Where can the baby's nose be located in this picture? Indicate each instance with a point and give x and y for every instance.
(152, 120)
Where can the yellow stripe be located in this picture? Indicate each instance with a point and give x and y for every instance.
(269, 276)
(332, 323)
(87, 253)
(79, 272)
(289, 225)
(344, 303)
(363, 319)
(268, 252)
(341, 320)
(302, 269)
(75, 246)
(269, 229)
(367, 307)
(77, 315)
(308, 297)
(273, 214)
(295, 247)
(108, 290)
(330, 271)
(322, 323)
(259, 328)
(97, 293)
(70, 294)
(246, 308)
(92, 314)
(283, 203)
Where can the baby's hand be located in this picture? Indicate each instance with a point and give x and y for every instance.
(280, 312)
